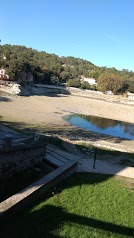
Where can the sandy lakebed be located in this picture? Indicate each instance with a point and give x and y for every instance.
(45, 113)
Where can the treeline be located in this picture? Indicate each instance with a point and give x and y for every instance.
(51, 69)
(44, 67)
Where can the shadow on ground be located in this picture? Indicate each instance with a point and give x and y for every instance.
(73, 134)
(70, 132)
(45, 221)
(50, 91)
(5, 99)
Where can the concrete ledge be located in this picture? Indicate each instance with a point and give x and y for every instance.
(23, 147)
(28, 195)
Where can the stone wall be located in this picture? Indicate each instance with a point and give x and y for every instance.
(20, 158)
(47, 89)
(18, 202)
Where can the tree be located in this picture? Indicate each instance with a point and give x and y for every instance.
(130, 83)
(64, 75)
(111, 81)
(20, 61)
(85, 85)
(74, 83)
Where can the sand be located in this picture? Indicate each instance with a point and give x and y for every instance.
(47, 111)
(44, 109)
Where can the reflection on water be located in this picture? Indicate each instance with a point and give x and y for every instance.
(102, 125)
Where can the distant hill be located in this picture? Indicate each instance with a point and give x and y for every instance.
(22, 62)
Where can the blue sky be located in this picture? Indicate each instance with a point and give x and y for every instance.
(101, 31)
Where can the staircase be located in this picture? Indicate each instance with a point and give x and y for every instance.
(57, 158)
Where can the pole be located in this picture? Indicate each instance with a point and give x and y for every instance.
(95, 158)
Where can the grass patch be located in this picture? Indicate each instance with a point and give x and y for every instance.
(124, 158)
(85, 205)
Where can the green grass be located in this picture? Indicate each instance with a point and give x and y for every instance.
(126, 159)
(83, 206)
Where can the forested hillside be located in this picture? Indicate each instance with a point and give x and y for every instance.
(52, 69)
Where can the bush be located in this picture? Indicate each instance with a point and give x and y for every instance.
(85, 85)
(111, 82)
(74, 83)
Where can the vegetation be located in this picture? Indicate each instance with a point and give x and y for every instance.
(113, 82)
(123, 158)
(22, 63)
(85, 205)
(74, 83)
(45, 68)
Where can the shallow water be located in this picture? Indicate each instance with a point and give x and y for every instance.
(102, 125)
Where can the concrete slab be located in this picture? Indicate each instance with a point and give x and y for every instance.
(102, 167)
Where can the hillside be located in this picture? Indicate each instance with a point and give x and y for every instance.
(24, 63)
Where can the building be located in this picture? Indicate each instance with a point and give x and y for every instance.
(91, 81)
(3, 75)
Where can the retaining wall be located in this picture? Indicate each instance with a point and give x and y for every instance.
(24, 198)
(20, 158)
(46, 89)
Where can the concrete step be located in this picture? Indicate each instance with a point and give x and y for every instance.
(54, 161)
(58, 157)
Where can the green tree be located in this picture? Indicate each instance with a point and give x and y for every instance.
(111, 81)
(64, 75)
(74, 83)
(130, 83)
(21, 60)
(85, 85)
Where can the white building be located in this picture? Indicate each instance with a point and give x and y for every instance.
(91, 81)
(3, 75)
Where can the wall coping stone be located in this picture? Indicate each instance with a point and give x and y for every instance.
(19, 201)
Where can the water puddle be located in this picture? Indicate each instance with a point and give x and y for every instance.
(102, 125)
